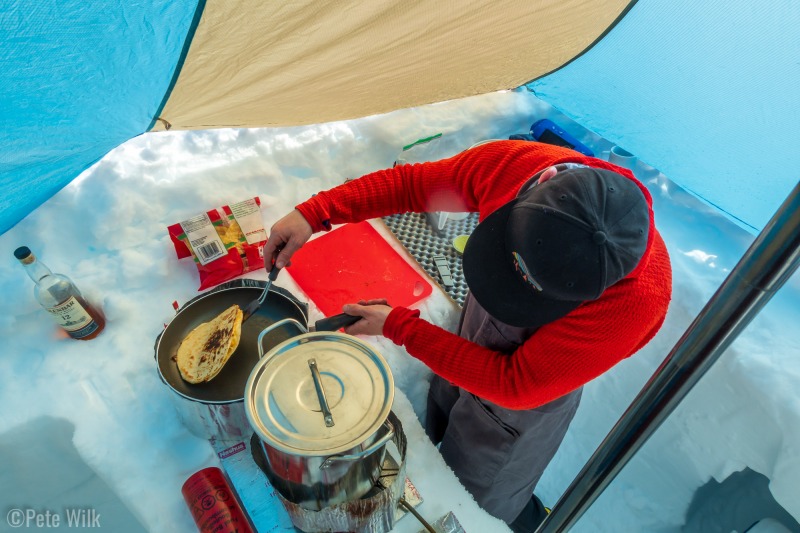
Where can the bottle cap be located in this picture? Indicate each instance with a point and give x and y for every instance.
(23, 252)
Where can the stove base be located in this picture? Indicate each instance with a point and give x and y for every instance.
(375, 512)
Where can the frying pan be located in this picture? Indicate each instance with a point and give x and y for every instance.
(228, 386)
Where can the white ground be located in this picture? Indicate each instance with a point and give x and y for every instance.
(107, 230)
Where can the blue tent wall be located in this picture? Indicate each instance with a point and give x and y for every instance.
(707, 92)
(704, 91)
(77, 79)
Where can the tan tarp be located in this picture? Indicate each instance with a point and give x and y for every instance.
(255, 63)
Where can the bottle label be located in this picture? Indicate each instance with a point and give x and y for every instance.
(71, 316)
(203, 239)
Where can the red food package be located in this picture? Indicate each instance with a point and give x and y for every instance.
(225, 242)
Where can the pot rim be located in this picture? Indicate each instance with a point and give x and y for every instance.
(366, 434)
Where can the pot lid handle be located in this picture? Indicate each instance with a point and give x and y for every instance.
(323, 401)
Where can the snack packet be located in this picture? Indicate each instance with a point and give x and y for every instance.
(224, 242)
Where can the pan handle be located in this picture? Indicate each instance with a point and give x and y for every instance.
(335, 322)
(279, 323)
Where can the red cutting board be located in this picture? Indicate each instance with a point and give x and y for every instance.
(354, 262)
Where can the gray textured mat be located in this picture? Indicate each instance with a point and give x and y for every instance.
(419, 234)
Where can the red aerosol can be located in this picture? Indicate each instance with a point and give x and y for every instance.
(213, 503)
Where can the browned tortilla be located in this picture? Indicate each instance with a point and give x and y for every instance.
(207, 348)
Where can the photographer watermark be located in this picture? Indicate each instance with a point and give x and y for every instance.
(69, 517)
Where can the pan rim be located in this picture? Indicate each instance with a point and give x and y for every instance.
(196, 300)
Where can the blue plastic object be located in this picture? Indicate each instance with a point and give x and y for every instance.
(549, 132)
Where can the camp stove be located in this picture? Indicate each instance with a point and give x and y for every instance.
(376, 512)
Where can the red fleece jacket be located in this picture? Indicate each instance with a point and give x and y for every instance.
(560, 356)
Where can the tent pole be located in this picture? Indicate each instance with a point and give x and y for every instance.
(764, 268)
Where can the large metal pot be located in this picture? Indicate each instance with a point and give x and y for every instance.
(319, 402)
(215, 409)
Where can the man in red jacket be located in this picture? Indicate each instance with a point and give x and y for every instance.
(567, 277)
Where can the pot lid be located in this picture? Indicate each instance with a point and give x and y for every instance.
(284, 406)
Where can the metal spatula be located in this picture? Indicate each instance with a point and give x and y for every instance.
(253, 306)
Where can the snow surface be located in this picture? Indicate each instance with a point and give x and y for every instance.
(107, 231)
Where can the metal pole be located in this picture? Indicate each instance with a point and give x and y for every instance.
(765, 267)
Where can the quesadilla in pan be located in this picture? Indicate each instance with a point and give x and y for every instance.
(207, 348)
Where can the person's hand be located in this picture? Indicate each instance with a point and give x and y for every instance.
(373, 315)
(286, 237)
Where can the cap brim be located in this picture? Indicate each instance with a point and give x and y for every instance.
(495, 283)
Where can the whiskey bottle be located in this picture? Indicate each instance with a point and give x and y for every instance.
(61, 298)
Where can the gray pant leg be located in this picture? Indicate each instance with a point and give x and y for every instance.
(500, 454)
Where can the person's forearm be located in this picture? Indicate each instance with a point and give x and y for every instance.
(373, 195)
(434, 186)
(500, 378)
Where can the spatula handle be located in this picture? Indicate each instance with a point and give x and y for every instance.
(274, 272)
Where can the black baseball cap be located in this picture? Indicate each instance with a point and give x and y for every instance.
(556, 245)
